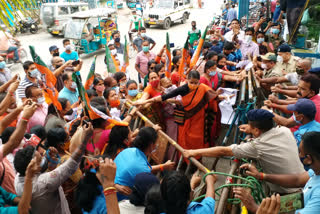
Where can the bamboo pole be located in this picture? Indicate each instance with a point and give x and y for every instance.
(225, 191)
(172, 142)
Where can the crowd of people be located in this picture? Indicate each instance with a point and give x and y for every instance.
(58, 158)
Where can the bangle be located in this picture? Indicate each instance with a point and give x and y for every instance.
(262, 175)
(24, 119)
(11, 93)
(109, 192)
(109, 188)
(161, 167)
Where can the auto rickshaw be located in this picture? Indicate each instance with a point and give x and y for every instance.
(91, 30)
(131, 4)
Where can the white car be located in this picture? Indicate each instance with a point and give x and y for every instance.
(166, 12)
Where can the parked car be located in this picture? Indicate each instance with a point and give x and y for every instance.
(166, 12)
(55, 16)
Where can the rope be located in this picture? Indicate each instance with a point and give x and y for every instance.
(250, 182)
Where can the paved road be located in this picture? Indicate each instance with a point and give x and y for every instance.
(178, 33)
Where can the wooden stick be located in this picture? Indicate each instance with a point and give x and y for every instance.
(172, 142)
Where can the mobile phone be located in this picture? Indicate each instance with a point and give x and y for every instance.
(171, 45)
(291, 202)
(76, 62)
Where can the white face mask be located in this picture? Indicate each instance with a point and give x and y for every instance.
(264, 66)
(73, 85)
(68, 47)
(40, 100)
(143, 35)
(279, 58)
(114, 52)
(260, 40)
(247, 39)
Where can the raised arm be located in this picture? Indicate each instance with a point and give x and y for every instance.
(59, 70)
(4, 105)
(18, 134)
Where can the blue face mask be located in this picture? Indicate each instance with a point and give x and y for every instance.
(295, 119)
(145, 48)
(260, 40)
(275, 31)
(195, 47)
(223, 26)
(277, 5)
(212, 73)
(133, 93)
(34, 73)
(2, 65)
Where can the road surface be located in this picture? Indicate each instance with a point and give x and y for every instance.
(178, 34)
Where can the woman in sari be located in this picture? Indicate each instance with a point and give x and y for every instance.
(214, 79)
(195, 99)
(154, 112)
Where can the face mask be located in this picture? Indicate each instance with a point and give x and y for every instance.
(162, 76)
(220, 66)
(277, 5)
(34, 73)
(223, 26)
(58, 66)
(154, 83)
(9, 110)
(114, 103)
(247, 39)
(260, 40)
(134, 17)
(299, 71)
(114, 52)
(212, 73)
(192, 87)
(73, 85)
(145, 48)
(117, 40)
(100, 88)
(56, 54)
(70, 112)
(194, 26)
(264, 66)
(295, 119)
(275, 31)
(68, 47)
(40, 100)
(2, 65)
(279, 58)
(143, 35)
(195, 47)
(123, 83)
(133, 93)
(116, 88)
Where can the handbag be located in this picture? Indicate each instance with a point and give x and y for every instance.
(179, 112)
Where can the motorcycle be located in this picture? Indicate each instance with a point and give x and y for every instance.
(9, 57)
(28, 25)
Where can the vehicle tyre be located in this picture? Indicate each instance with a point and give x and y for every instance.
(147, 25)
(166, 23)
(34, 28)
(184, 18)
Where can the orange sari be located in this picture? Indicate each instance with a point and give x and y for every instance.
(191, 134)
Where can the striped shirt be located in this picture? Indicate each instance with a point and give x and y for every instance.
(22, 87)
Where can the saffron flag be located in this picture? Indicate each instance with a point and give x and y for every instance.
(41, 66)
(90, 76)
(112, 65)
(185, 61)
(50, 92)
(125, 55)
(93, 113)
(196, 54)
(168, 57)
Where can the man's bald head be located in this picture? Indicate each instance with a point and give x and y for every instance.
(304, 64)
(57, 61)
